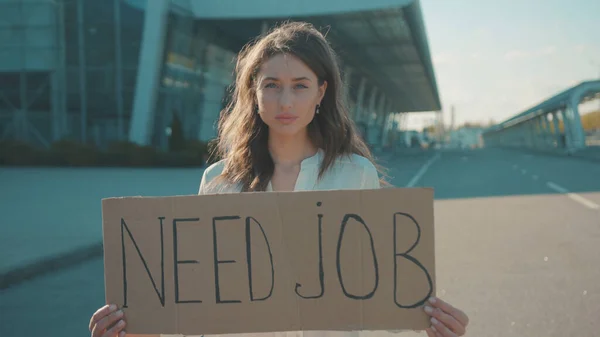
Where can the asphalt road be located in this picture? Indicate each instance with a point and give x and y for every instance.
(517, 248)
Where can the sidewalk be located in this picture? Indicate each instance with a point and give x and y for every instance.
(52, 217)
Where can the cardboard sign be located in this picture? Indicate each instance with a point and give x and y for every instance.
(267, 262)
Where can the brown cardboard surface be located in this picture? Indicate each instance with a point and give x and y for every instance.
(266, 262)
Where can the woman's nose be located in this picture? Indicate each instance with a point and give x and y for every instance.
(286, 99)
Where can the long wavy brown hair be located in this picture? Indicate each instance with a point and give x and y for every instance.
(243, 137)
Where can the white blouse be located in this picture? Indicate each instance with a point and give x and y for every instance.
(349, 172)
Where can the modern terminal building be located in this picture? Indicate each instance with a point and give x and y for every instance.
(99, 71)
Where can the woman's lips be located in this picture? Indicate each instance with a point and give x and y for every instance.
(286, 118)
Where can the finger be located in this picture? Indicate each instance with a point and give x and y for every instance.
(100, 313)
(115, 330)
(106, 322)
(454, 312)
(436, 333)
(430, 332)
(446, 319)
(441, 329)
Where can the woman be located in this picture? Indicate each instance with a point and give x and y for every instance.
(287, 129)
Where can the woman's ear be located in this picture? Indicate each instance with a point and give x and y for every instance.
(322, 90)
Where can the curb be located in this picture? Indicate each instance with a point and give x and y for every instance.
(50, 264)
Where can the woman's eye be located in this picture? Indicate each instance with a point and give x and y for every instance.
(301, 86)
(271, 85)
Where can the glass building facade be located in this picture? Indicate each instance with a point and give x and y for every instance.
(104, 71)
(68, 70)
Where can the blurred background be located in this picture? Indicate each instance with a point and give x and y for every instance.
(495, 104)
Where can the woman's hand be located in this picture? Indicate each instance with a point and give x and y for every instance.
(446, 320)
(107, 322)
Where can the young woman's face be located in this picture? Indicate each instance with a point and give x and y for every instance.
(287, 94)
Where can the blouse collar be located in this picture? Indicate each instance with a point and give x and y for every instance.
(311, 162)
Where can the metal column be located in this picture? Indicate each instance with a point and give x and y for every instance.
(149, 68)
(58, 78)
(360, 101)
(577, 133)
(380, 120)
(82, 71)
(118, 71)
(566, 129)
(547, 131)
(371, 109)
(557, 134)
(387, 122)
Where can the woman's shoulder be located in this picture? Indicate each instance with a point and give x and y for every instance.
(356, 163)
(214, 170)
(210, 184)
(358, 170)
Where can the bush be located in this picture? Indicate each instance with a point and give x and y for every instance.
(16, 153)
(195, 148)
(117, 154)
(71, 153)
(129, 154)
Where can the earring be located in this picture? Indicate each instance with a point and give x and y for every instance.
(317, 110)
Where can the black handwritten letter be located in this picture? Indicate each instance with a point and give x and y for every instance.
(411, 259)
(216, 258)
(176, 262)
(321, 272)
(161, 294)
(339, 248)
(249, 259)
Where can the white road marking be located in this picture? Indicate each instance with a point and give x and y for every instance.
(576, 197)
(422, 171)
(557, 187)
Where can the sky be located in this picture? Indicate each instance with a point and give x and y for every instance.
(494, 59)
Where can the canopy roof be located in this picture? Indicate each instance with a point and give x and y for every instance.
(382, 40)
